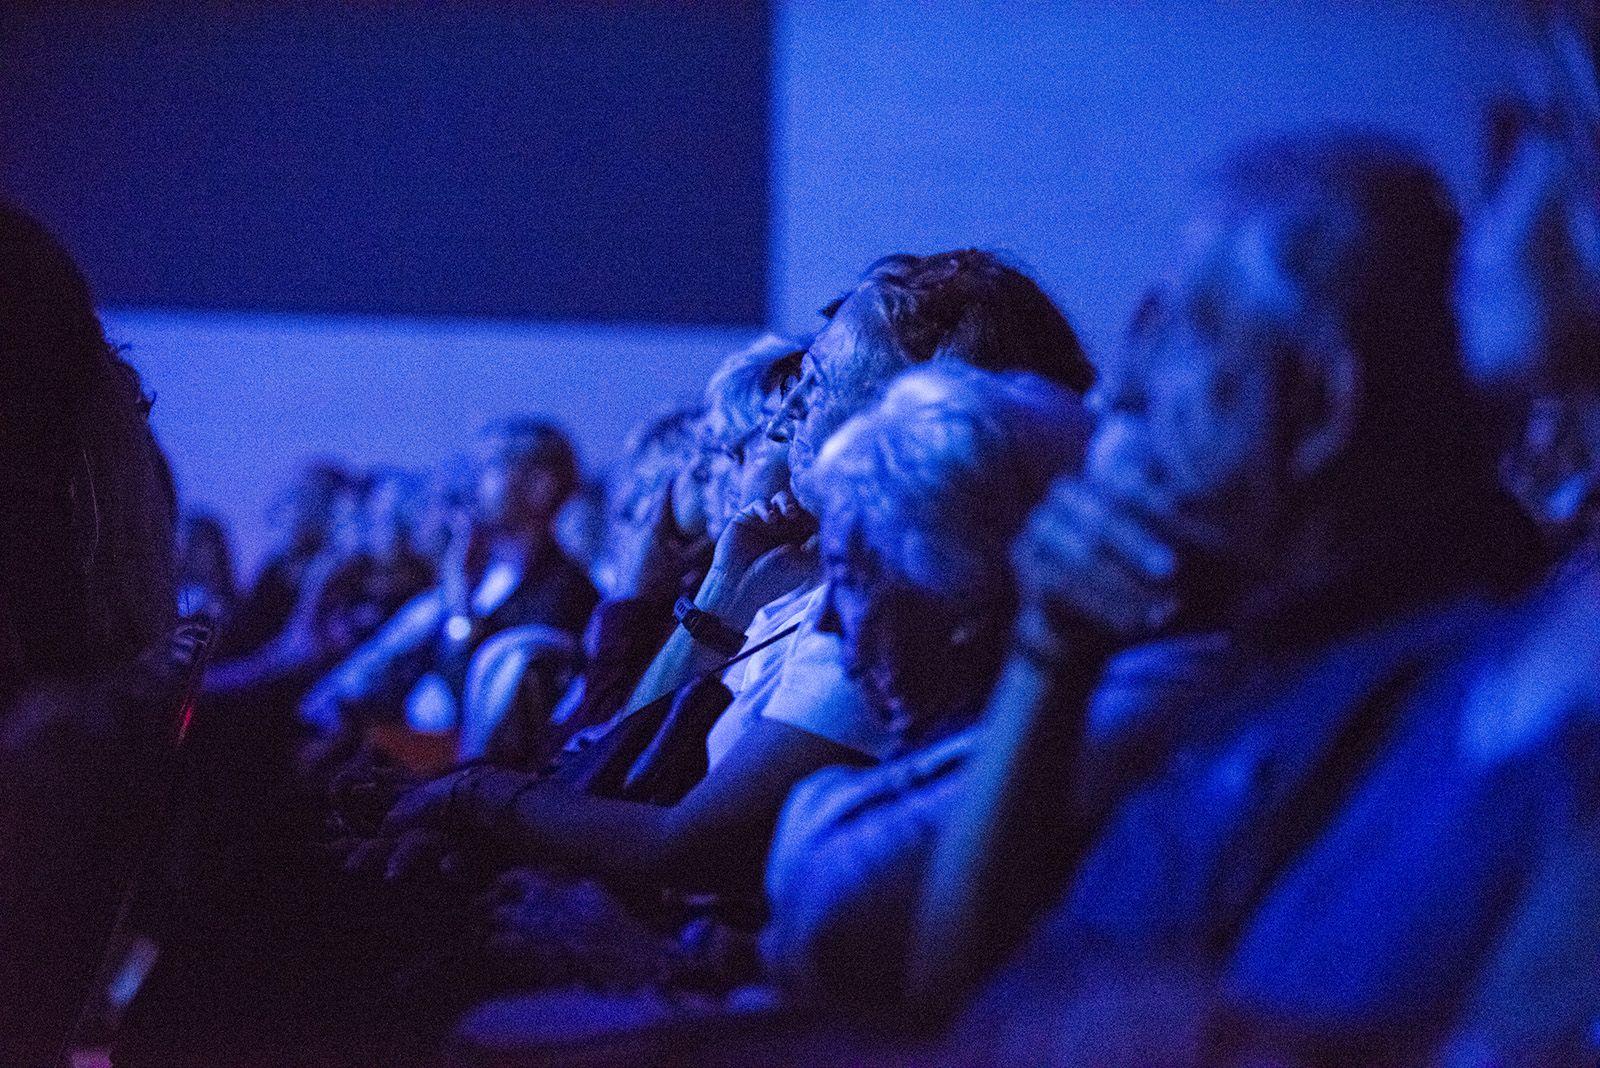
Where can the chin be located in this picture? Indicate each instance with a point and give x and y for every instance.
(800, 486)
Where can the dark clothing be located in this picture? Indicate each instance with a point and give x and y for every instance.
(1260, 770)
(276, 949)
(1372, 938)
(853, 846)
(552, 592)
(364, 593)
(265, 610)
(82, 767)
(623, 637)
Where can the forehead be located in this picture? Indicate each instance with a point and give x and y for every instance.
(1178, 323)
(841, 347)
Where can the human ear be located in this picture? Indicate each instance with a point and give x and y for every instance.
(1332, 396)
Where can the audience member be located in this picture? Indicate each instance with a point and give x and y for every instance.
(503, 568)
(92, 664)
(1230, 701)
(1284, 453)
(321, 501)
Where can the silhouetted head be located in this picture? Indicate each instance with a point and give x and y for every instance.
(966, 306)
(524, 469)
(320, 504)
(391, 503)
(745, 463)
(87, 569)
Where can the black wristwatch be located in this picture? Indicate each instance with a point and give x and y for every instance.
(706, 628)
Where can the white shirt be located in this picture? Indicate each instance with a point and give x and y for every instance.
(800, 681)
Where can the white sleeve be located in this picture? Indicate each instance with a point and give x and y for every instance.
(815, 695)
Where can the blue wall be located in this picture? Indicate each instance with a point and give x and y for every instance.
(516, 185)
(1068, 132)
(242, 400)
(555, 161)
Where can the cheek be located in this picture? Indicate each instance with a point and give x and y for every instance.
(764, 474)
(1214, 430)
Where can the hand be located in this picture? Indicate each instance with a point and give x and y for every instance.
(363, 784)
(767, 550)
(419, 836)
(759, 528)
(418, 854)
(428, 805)
(322, 708)
(565, 930)
(1541, 692)
(1084, 561)
(655, 564)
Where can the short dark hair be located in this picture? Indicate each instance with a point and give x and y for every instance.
(971, 306)
(539, 443)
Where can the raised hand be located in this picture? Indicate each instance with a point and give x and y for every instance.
(767, 550)
(1086, 561)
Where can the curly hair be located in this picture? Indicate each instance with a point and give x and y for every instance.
(934, 483)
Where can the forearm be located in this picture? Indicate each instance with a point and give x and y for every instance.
(546, 823)
(679, 660)
(624, 637)
(1009, 848)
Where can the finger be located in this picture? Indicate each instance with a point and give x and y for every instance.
(417, 851)
(1097, 583)
(748, 517)
(369, 857)
(410, 810)
(1076, 515)
(1164, 511)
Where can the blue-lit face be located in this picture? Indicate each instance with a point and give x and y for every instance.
(509, 492)
(1186, 428)
(840, 376)
(1529, 264)
(897, 637)
(857, 608)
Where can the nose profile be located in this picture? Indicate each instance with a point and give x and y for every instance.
(793, 409)
(781, 425)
